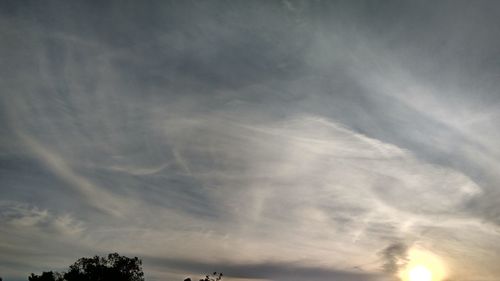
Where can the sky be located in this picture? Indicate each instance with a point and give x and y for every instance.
(269, 140)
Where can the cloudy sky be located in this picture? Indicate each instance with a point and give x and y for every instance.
(270, 140)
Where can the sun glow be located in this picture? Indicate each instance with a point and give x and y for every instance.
(423, 266)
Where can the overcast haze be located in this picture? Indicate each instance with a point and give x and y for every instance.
(270, 140)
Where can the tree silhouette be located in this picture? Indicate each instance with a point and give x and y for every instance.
(113, 267)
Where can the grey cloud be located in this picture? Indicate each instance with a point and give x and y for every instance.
(35, 239)
(267, 270)
(395, 257)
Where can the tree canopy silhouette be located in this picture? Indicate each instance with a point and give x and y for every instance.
(112, 267)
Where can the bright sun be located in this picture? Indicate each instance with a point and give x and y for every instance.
(420, 273)
(423, 265)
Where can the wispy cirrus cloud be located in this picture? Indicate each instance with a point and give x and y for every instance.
(285, 139)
